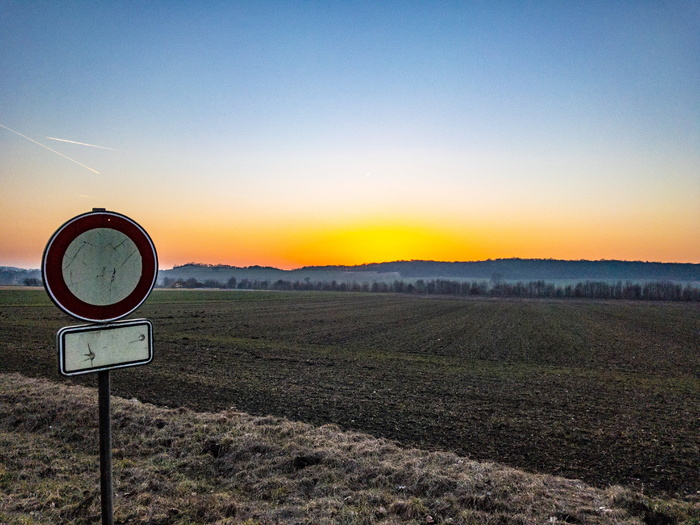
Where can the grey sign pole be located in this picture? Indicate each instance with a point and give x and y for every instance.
(106, 491)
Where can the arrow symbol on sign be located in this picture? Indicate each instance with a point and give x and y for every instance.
(90, 355)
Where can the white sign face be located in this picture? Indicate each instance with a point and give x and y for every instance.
(93, 348)
(101, 266)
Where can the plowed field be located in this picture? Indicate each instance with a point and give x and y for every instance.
(607, 392)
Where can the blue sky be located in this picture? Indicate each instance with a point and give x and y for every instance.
(248, 129)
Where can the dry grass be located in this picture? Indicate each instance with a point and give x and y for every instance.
(180, 466)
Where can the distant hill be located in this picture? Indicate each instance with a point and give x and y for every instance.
(490, 270)
(533, 269)
(222, 273)
(524, 270)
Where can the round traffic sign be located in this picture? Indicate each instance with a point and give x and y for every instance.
(99, 266)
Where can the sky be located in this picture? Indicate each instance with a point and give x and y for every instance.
(303, 133)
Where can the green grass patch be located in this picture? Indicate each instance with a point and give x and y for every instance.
(24, 297)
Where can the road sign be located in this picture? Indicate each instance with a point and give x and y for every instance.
(93, 348)
(99, 266)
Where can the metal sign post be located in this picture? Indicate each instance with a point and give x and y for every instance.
(99, 267)
(106, 490)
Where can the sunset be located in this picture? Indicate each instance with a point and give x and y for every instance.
(353, 262)
(292, 134)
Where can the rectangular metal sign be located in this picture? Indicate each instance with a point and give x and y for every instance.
(92, 348)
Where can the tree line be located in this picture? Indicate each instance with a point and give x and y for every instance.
(650, 291)
(534, 269)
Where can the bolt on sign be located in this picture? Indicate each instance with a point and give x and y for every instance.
(99, 267)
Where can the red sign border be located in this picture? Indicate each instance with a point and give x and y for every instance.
(52, 266)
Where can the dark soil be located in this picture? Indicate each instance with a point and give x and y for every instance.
(606, 392)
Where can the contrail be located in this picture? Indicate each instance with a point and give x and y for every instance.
(81, 143)
(52, 150)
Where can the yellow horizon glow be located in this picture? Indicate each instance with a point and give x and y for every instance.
(245, 238)
(373, 241)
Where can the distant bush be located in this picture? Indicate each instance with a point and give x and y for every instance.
(651, 291)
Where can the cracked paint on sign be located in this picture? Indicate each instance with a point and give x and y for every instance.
(102, 266)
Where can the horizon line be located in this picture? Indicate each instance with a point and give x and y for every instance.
(225, 265)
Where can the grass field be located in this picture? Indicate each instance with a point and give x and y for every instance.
(606, 392)
(177, 466)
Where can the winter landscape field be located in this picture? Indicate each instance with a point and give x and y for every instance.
(605, 392)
